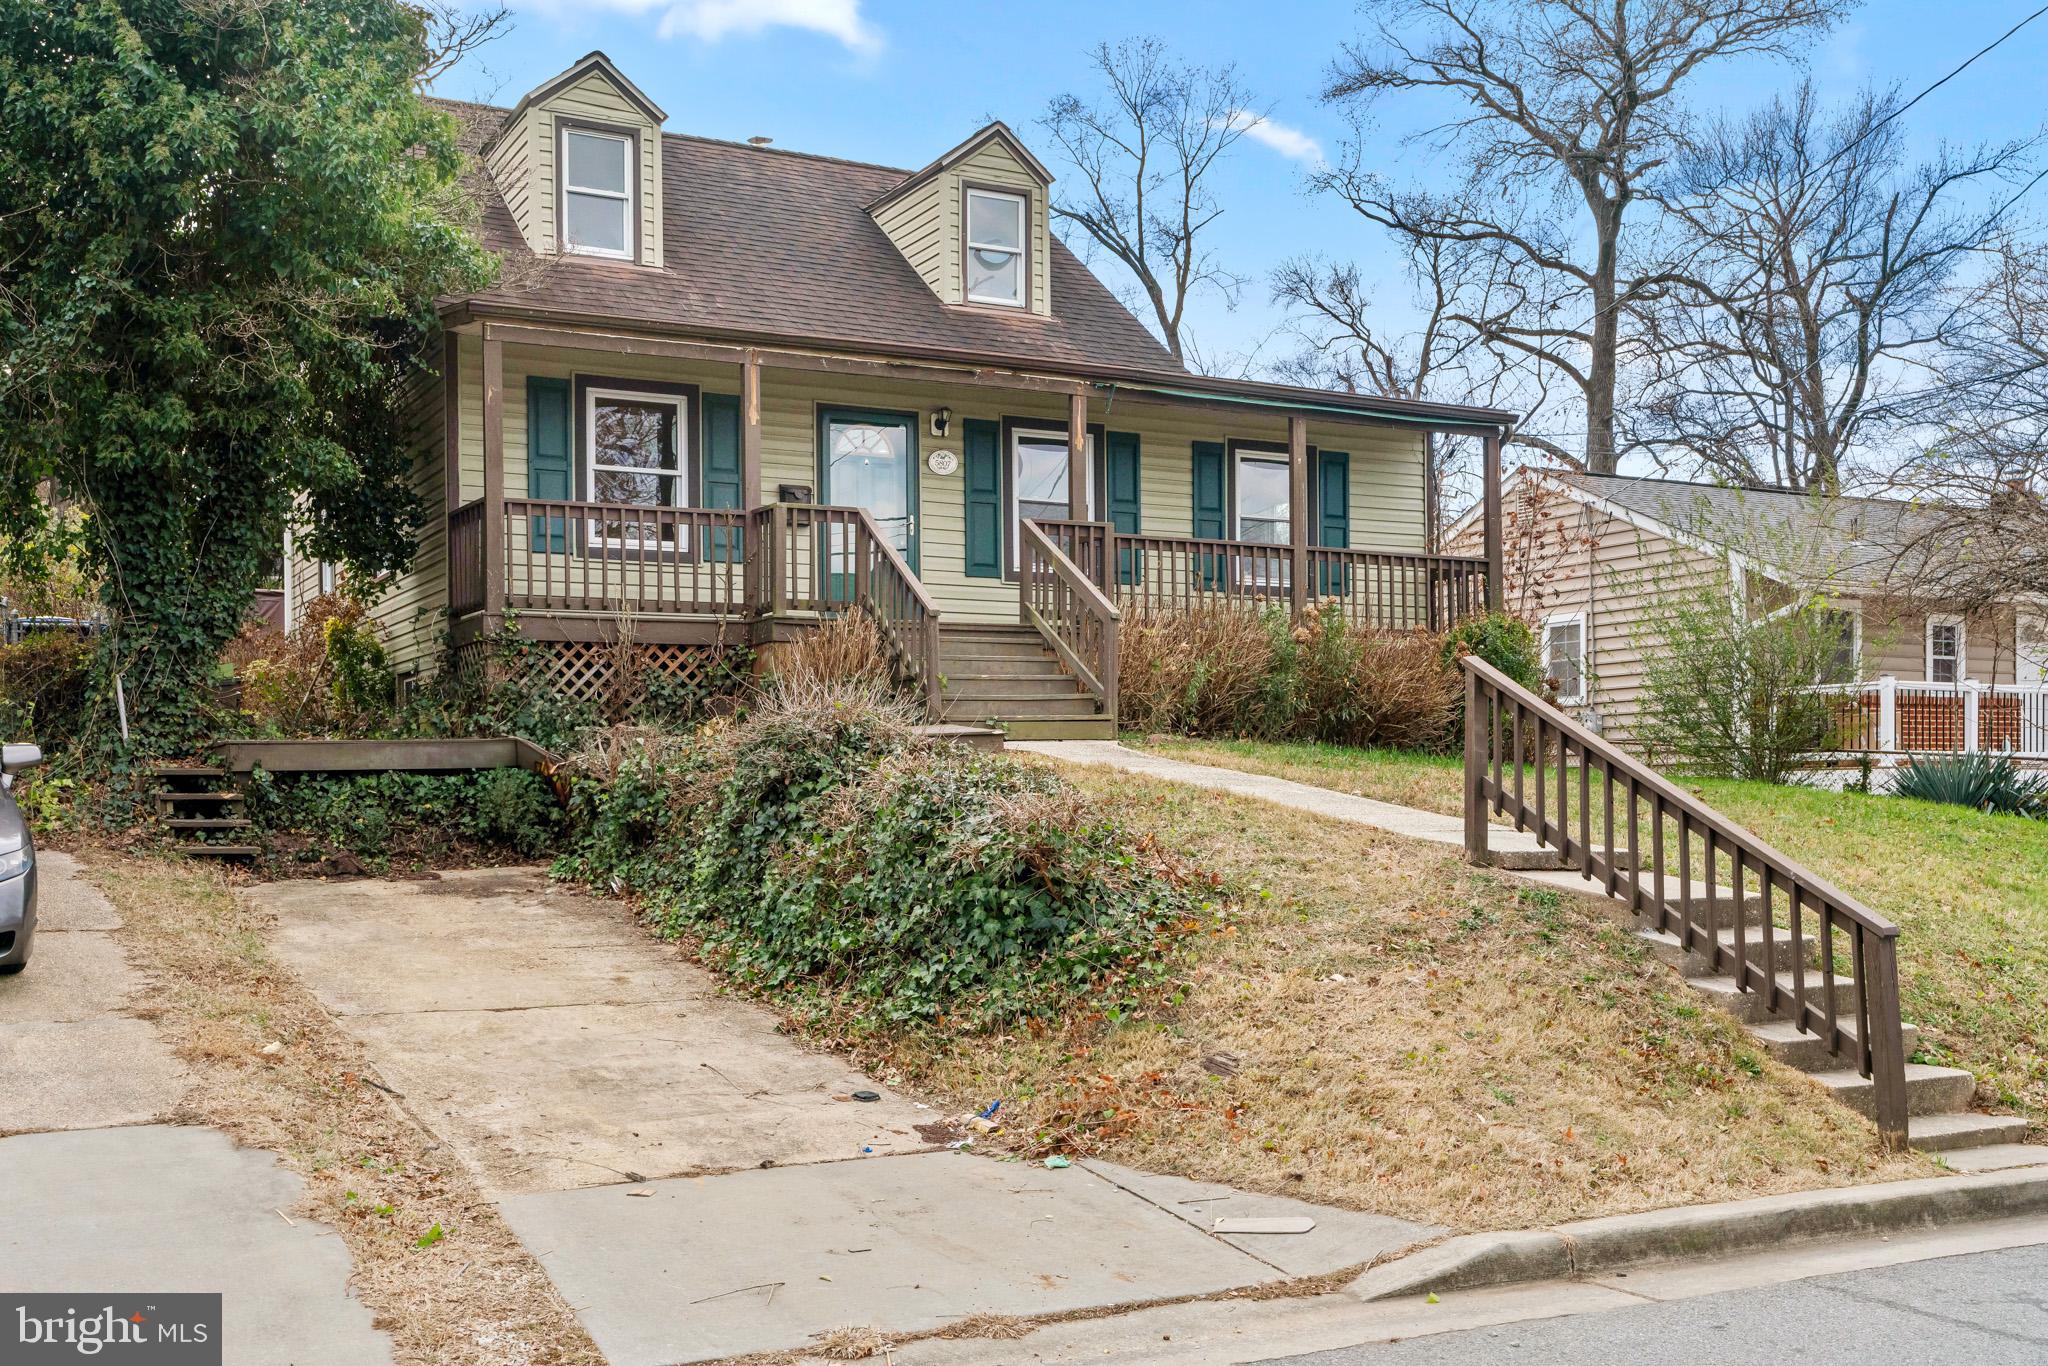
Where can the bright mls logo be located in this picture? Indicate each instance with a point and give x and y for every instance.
(166, 1330)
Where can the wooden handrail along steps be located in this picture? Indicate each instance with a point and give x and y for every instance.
(1811, 972)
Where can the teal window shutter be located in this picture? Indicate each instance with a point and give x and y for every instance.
(981, 463)
(1333, 515)
(721, 470)
(1211, 494)
(1120, 477)
(550, 457)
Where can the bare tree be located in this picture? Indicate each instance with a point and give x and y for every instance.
(453, 32)
(1822, 286)
(1561, 102)
(1340, 346)
(1145, 154)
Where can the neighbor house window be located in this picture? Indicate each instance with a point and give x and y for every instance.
(597, 193)
(1564, 655)
(638, 454)
(1945, 650)
(1038, 480)
(995, 248)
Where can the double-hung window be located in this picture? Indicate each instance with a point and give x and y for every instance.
(1945, 650)
(597, 193)
(1038, 481)
(995, 248)
(638, 448)
(1564, 655)
(1262, 512)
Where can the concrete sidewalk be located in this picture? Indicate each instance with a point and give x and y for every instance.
(101, 1196)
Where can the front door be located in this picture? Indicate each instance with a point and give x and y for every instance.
(868, 459)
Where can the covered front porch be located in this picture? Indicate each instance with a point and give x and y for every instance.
(1081, 543)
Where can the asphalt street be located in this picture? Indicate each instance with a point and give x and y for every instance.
(1981, 1309)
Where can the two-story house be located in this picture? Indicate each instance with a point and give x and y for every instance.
(722, 392)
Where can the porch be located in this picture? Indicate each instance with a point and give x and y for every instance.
(1063, 505)
(1892, 718)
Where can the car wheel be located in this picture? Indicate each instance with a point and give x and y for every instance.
(9, 969)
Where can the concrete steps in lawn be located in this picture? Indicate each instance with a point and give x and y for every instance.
(202, 808)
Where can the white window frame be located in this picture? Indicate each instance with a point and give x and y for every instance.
(2030, 671)
(1552, 623)
(1962, 654)
(679, 487)
(629, 200)
(1017, 436)
(1022, 251)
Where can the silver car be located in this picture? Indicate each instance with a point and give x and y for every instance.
(17, 864)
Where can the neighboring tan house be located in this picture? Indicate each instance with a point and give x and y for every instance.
(1585, 555)
(723, 392)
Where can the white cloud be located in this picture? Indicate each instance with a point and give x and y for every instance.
(712, 20)
(1287, 140)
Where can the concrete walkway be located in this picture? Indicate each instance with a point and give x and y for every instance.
(700, 1185)
(98, 1195)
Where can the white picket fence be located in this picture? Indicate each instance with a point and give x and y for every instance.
(1886, 716)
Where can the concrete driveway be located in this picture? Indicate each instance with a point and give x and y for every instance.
(699, 1184)
(101, 1195)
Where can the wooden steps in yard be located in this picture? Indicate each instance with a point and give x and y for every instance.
(1007, 677)
(202, 808)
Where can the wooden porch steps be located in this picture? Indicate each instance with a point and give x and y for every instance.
(202, 808)
(1006, 676)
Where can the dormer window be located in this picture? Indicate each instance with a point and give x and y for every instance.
(996, 227)
(597, 193)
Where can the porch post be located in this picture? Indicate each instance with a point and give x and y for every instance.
(1888, 712)
(1077, 456)
(494, 481)
(751, 492)
(1297, 513)
(1973, 699)
(1495, 589)
(451, 421)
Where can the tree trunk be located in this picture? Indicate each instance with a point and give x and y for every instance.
(1600, 366)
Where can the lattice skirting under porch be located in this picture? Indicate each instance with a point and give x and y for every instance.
(588, 670)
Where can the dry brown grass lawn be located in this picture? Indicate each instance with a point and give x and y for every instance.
(472, 1293)
(1415, 1038)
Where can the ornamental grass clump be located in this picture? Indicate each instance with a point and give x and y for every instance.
(821, 852)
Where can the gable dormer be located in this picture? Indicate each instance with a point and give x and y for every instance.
(973, 224)
(578, 161)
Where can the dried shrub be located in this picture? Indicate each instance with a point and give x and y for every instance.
(328, 676)
(1256, 676)
(43, 684)
(846, 649)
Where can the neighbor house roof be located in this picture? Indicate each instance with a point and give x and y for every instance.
(766, 243)
(1854, 542)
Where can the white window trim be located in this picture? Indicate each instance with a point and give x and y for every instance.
(629, 199)
(1017, 437)
(1962, 649)
(679, 487)
(1021, 251)
(1240, 454)
(1551, 623)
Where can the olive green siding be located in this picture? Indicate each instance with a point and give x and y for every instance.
(926, 224)
(410, 608)
(1386, 481)
(522, 161)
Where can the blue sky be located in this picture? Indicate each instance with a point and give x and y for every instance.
(899, 81)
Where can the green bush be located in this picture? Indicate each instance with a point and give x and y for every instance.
(376, 816)
(1987, 782)
(43, 681)
(1501, 639)
(822, 852)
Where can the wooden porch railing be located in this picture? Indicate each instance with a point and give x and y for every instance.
(466, 559)
(829, 560)
(599, 557)
(1666, 853)
(1374, 588)
(1062, 600)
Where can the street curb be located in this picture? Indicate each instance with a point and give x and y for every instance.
(1595, 1247)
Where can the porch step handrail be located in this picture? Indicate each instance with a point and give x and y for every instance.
(1075, 617)
(816, 558)
(1519, 753)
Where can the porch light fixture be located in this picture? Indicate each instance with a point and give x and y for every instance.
(942, 421)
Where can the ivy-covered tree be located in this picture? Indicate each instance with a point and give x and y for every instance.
(223, 224)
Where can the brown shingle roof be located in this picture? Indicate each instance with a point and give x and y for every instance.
(760, 242)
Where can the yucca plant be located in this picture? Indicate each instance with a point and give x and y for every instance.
(1988, 782)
